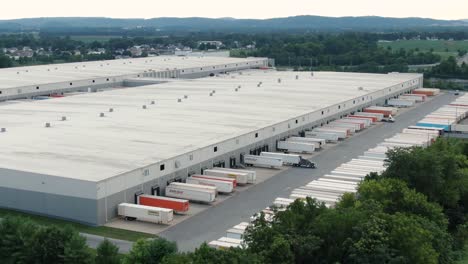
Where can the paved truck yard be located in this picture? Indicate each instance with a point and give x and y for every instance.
(213, 223)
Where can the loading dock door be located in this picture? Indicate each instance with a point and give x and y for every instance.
(156, 190)
(232, 162)
(241, 159)
(136, 196)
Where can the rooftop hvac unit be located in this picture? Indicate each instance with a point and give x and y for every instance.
(64, 118)
(214, 91)
(101, 115)
(360, 88)
(237, 89)
(111, 110)
(3, 130)
(153, 102)
(143, 106)
(179, 100)
(47, 124)
(240, 86)
(211, 94)
(279, 80)
(185, 96)
(297, 77)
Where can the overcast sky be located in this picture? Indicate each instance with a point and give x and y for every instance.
(442, 9)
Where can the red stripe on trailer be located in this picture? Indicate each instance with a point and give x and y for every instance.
(157, 201)
(373, 119)
(233, 180)
(459, 105)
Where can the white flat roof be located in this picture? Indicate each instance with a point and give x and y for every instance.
(55, 73)
(94, 148)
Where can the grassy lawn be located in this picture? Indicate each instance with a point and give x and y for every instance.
(89, 39)
(426, 45)
(100, 230)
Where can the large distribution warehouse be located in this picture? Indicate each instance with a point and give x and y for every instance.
(78, 157)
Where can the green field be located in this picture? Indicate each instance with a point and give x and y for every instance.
(99, 230)
(89, 39)
(441, 47)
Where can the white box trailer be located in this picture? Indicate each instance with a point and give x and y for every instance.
(337, 181)
(324, 189)
(363, 161)
(221, 186)
(221, 245)
(321, 141)
(329, 184)
(331, 197)
(343, 178)
(252, 175)
(362, 123)
(355, 126)
(290, 159)
(318, 142)
(328, 136)
(340, 133)
(146, 213)
(297, 147)
(372, 158)
(331, 201)
(342, 172)
(235, 233)
(366, 121)
(351, 127)
(191, 192)
(282, 202)
(262, 161)
(241, 177)
(230, 240)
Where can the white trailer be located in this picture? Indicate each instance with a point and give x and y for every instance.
(235, 233)
(340, 133)
(191, 192)
(353, 126)
(365, 157)
(328, 136)
(241, 177)
(282, 202)
(221, 186)
(221, 245)
(262, 161)
(297, 147)
(343, 178)
(290, 159)
(251, 175)
(145, 213)
(322, 142)
(317, 144)
(231, 240)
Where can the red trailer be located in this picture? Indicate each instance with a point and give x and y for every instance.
(372, 118)
(178, 205)
(386, 113)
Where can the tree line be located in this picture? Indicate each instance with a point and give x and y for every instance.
(414, 212)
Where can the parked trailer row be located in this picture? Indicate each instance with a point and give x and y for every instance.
(145, 213)
(328, 136)
(191, 192)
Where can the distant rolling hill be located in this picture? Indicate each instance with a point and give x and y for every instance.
(316, 23)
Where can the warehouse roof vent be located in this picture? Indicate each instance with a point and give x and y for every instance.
(47, 124)
(240, 86)
(143, 106)
(211, 94)
(111, 110)
(279, 80)
(153, 102)
(214, 91)
(101, 115)
(297, 77)
(64, 118)
(2, 130)
(185, 96)
(179, 100)
(237, 89)
(360, 88)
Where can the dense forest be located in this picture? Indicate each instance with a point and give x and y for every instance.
(414, 212)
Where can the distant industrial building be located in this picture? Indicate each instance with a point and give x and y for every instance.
(26, 82)
(78, 157)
